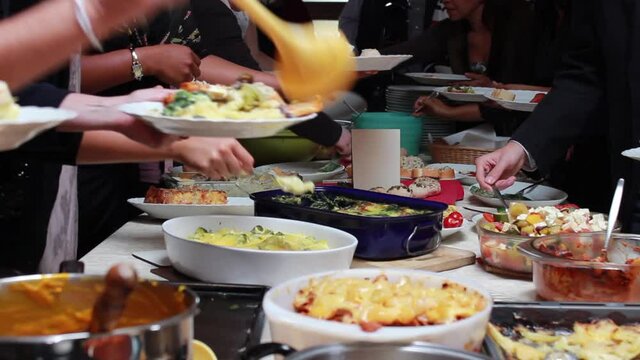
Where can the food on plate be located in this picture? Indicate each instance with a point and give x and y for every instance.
(413, 167)
(9, 110)
(259, 238)
(349, 170)
(329, 167)
(187, 195)
(345, 205)
(538, 97)
(242, 100)
(416, 173)
(452, 218)
(370, 53)
(502, 94)
(294, 185)
(425, 187)
(400, 190)
(374, 303)
(478, 191)
(378, 189)
(601, 339)
(461, 89)
(546, 220)
(409, 164)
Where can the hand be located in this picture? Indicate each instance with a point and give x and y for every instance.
(500, 166)
(216, 158)
(343, 146)
(476, 80)
(171, 63)
(157, 93)
(426, 105)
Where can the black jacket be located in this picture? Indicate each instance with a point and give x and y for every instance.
(600, 70)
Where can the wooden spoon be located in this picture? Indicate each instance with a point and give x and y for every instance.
(120, 282)
(307, 65)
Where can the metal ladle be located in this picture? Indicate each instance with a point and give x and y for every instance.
(307, 65)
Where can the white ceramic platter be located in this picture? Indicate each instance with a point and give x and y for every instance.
(151, 113)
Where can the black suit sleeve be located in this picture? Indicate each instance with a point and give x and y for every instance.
(567, 112)
(321, 129)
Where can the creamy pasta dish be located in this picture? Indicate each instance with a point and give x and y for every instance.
(259, 238)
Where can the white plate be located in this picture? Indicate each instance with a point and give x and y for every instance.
(446, 232)
(461, 171)
(380, 62)
(632, 153)
(310, 171)
(540, 196)
(437, 78)
(150, 112)
(478, 96)
(32, 121)
(220, 264)
(522, 101)
(234, 206)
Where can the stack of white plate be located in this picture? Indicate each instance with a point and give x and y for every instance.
(401, 98)
(434, 127)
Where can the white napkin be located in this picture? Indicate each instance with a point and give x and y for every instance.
(482, 136)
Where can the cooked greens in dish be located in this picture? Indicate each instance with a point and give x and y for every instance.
(461, 89)
(259, 238)
(476, 190)
(345, 205)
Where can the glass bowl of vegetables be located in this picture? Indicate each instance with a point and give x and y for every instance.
(500, 234)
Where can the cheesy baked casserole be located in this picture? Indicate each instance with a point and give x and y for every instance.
(602, 339)
(373, 303)
(188, 195)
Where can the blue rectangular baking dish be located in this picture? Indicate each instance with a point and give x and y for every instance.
(379, 238)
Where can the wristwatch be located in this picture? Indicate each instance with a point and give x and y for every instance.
(136, 65)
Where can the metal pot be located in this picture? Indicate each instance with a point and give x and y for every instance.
(358, 351)
(167, 338)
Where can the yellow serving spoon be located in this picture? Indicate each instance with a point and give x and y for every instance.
(307, 65)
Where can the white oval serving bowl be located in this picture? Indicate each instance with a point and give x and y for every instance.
(222, 264)
(302, 331)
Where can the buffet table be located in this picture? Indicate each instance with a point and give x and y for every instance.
(145, 233)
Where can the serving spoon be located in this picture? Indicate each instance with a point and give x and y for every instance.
(307, 64)
(613, 217)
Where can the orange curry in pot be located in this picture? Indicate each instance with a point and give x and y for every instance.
(60, 304)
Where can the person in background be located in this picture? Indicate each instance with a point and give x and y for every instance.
(597, 74)
(550, 32)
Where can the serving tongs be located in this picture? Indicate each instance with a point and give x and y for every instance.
(307, 64)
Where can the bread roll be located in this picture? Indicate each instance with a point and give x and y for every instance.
(400, 190)
(432, 172)
(447, 173)
(405, 173)
(416, 173)
(425, 187)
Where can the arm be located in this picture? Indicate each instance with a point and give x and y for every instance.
(43, 37)
(576, 95)
(215, 157)
(217, 70)
(350, 19)
(321, 129)
(436, 107)
(170, 63)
